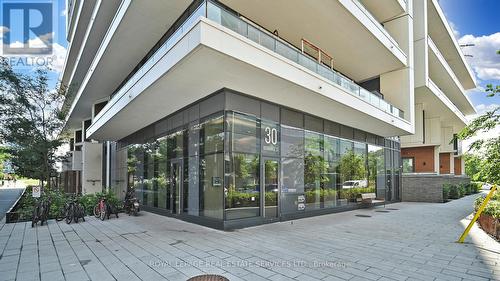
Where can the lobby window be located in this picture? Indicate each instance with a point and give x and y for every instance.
(211, 167)
(352, 170)
(242, 169)
(163, 178)
(408, 165)
(332, 182)
(376, 168)
(315, 170)
(292, 162)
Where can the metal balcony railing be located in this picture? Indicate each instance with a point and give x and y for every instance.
(215, 12)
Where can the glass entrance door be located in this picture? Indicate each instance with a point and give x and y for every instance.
(177, 180)
(270, 184)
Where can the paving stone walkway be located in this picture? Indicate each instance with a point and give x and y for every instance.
(414, 242)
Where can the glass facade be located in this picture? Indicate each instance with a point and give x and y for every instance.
(231, 157)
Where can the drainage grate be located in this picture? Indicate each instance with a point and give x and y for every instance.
(363, 216)
(382, 211)
(84, 262)
(208, 277)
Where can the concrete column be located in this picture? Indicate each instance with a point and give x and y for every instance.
(452, 163)
(436, 159)
(462, 160)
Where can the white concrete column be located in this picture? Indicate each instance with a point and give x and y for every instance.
(462, 166)
(436, 159)
(452, 164)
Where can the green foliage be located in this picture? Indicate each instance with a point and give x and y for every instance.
(322, 194)
(493, 206)
(474, 166)
(30, 120)
(352, 166)
(489, 168)
(352, 193)
(58, 200)
(476, 187)
(446, 191)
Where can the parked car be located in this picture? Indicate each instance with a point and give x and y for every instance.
(355, 183)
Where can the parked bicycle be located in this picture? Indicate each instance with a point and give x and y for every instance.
(40, 211)
(103, 209)
(73, 210)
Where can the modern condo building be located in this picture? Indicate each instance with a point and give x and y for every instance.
(231, 113)
(430, 156)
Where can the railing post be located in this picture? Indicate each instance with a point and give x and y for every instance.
(478, 213)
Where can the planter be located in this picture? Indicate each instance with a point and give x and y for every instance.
(490, 225)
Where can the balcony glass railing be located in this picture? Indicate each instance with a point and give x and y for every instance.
(222, 16)
(270, 41)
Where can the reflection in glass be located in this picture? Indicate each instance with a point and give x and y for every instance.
(212, 135)
(163, 178)
(271, 172)
(211, 185)
(315, 170)
(242, 190)
(352, 170)
(376, 176)
(242, 133)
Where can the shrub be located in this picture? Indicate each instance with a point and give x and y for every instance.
(476, 186)
(462, 190)
(58, 199)
(455, 191)
(493, 207)
(446, 191)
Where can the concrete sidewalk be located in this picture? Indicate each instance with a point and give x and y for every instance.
(414, 242)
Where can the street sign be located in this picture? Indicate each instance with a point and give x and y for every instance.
(36, 192)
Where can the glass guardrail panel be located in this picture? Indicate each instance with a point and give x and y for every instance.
(230, 21)
(375, 100)
(326, 72)
(213, 12)
(307, 63)
(266, 41)
(254, 34)
(365, 94)
(199, 12)
(286, 51)
(384, 105)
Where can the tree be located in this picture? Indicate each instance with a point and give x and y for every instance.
(352, 166)
(490, 147)
(31, 118)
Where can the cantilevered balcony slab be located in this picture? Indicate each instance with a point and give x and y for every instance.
(389, 10)
(445, 40)
(136, 27)
(208, 57)
(102, 15)
(360, 46)
(438, 105)
(444, 77)
(82, 13)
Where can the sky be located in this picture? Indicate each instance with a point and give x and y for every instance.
(476, 22)
(473, 21)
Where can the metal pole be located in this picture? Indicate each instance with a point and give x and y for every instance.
(476, 216)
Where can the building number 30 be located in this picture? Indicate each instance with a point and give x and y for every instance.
(271, 136)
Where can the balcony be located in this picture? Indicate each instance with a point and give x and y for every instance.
(444, 77)
(268, 40)
(210, 44)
